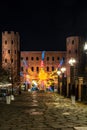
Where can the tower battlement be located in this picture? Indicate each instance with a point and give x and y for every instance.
(10, 33)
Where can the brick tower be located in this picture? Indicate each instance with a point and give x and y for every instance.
(72, 52)
(72, 47)
(11, 55)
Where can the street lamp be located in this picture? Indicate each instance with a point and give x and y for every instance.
(83, 80)
(58, 72)
(12, 95)
(85, 47)
(72, 61)
(85, 50)
(63, 69)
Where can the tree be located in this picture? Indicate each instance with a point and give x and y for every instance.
(4, 75)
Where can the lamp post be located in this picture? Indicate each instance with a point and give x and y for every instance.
(12, 95)
(11, 60)
(85, 47)
(85, 50)
(72, 61)
(58, 72)
(83, 90)
(63, 69)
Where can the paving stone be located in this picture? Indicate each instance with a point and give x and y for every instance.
(53, 112)
(67, 129)
(80, 128)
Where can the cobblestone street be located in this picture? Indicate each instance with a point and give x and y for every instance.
(42, 111)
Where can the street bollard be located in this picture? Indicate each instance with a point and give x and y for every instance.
(8, 99)
(12, 97)
(73, 100)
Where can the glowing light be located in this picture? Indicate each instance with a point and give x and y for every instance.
(58, 72)
(61, 62)
(34, 82)
(43, 54)
(42, 74)
(27, 76)
(85, 46)
(63, 69)
(72, 61)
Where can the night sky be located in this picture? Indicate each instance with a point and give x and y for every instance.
(44, 25)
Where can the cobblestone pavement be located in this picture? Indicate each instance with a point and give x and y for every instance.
(42, 111)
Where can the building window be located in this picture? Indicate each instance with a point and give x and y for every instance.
(76, 51)
(72, 41)
(52, 58)
(37, 69)
(26, 58)
(15, 51)
(47, 68)
(32, 68)
(58, 58)
(11, 41)
(37, 58)
(21, 58)
(32, 58)
(5, 60)
(9, 51)
(52, 68)
(11, 60)
(63, 58)
(5, 41)
(47, 58)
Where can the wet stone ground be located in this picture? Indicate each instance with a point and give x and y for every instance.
(42, 111)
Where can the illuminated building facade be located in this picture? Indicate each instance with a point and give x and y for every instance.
(31, 63)
(25, 66)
